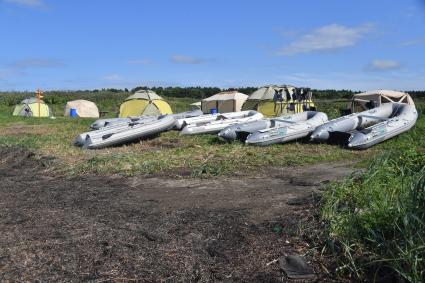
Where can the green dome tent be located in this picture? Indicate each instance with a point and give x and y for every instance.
(30, 108)
(144, 102)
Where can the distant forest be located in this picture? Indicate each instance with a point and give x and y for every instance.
(203, 92)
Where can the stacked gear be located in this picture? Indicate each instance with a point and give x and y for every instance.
(274, 100)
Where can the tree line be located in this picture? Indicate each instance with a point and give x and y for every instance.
(199, 92)
(202, 92)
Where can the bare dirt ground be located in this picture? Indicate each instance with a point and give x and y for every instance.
(156, 228)
(19, 130)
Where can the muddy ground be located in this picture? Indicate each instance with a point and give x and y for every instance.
(156, 228)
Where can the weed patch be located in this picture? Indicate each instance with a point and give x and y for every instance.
(377, 219)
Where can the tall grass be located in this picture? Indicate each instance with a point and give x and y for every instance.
(377, 219)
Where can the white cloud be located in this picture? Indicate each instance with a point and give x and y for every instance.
(20, 68)
(356, 80)
(140, 62)
(412, 42)
(288, 32)
(182, 59)
(35, 63)
(383, 65)
(27, 3)
(112, 78)
(328, 37)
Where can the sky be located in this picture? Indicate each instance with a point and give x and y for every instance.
(322, 44)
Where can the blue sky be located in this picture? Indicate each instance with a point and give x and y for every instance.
(58, 44)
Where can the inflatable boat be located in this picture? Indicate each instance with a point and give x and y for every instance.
(182, 122)
(220, 122)
(297, 126)
(101, 123)
(241, 131)
(402, 119)
(351, 122)
(126, 133)
(81, 138)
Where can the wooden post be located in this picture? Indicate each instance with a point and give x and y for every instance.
(39, 95)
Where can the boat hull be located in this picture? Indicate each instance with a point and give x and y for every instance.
(304, 125)
(132, 132)
(101, 123)
(404, 118)
(352, 122)
(208, 118)
(216, 126)
(242, 130)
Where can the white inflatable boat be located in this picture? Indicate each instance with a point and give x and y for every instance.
(241, 131)
(293, 127)
(182, 122)
(101, 123)
(370, 127)
(402, 119)
(126, 133)
(220, 122)
(349, 123)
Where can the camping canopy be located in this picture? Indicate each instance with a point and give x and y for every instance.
(30, 108)
(268, 92)
(85, 108)
(374, 98)
(144, 102)
(226, 101)
(276, 100)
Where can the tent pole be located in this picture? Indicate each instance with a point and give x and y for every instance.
(37, 94)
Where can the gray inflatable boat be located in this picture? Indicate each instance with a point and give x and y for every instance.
(298, 126)
(349, 123)
(221, 121)
(206, 118)
(121, 134)
(112, 128)
(241, 131)
(101, 123)
(402, 119)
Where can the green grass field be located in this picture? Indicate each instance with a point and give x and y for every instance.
(202, 155)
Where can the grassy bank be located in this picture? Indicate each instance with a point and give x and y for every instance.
(376, 221)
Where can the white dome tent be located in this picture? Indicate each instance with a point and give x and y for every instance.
(224, 102)
(84, 108)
